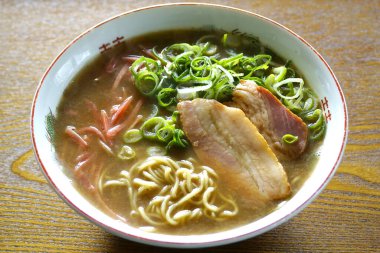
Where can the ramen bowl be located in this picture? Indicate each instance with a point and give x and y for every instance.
(115, 30)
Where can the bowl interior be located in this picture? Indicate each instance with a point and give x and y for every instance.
(165, 17)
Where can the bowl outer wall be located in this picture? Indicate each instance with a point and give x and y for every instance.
(272, 31)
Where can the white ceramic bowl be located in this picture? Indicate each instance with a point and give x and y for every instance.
(163, 17)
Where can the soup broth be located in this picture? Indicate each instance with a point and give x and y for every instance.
(89, 137)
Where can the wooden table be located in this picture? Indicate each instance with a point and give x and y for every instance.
(344, 218)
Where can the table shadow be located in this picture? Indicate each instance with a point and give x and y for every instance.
(265, 242)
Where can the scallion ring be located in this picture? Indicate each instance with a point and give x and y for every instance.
(166, 97)
(174, 117)
(193, 89)
(126, 153)
(276, 87)
(144, 64)
(151, 126)
(316, 117)
(132, 136)
(147, 82)
(224, 93)
(289, 138)
(280, 73)
(165, 134)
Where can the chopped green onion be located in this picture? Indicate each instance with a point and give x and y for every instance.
(200, 68)
(186, 96)
(318, 133)
(309, 103)
(230, 40)
(172, 52)
(259, 62)
(227, 73)
(224, 93)
(166, 97)
(159, 57)
(316, 117)
(257, 80)
(211, 68)
(208, 44)
(165, 134)
(175, 116)
(224, 39)
(147, 82)
(126, 153)
(269, 81)
(209, 49)
(151, 126)
(208, 94)
(132, 136)
(247, 64)
(310, 95)
(194, 89)
(276, 87)
(292, 105)
(317, 125)
(227, 61)
(144, 64)
(178, 140)
(290, 73)
(313, 116)
(164, 130)
(281, 72)
(289, 138)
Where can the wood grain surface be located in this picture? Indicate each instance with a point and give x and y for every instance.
(344, 218)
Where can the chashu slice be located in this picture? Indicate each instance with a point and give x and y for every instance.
(225, 139)
(272, 119)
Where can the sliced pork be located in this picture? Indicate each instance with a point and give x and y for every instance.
(226, 140)
(272, 119)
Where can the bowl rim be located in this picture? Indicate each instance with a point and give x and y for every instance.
(209, 243)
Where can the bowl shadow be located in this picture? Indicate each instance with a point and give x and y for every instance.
(262, 243)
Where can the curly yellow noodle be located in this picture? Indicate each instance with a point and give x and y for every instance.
(162, 191)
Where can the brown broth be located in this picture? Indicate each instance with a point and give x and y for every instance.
(94, 83)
